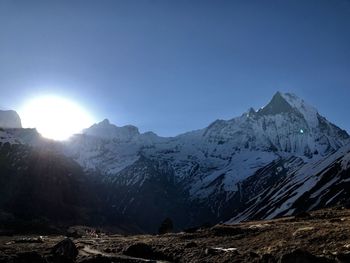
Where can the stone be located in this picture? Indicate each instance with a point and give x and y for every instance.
(74, 233)
(65, 249)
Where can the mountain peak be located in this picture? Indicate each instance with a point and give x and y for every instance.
(10, 119)
(251, 112)
(277, 105)
(291, 103)
(107, 130)
(309, 112)
(105, 122)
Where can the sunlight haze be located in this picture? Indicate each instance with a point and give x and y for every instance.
(55, 117)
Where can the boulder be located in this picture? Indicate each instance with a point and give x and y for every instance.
(65, 249)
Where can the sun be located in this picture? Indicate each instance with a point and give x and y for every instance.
(55, 117)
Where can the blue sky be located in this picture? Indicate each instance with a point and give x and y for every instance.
(175, 66)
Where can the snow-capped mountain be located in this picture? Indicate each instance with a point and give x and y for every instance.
(211, 164)
(285, 126)
(265, 163)
(315, 185)
(109, 131)
(10, 119)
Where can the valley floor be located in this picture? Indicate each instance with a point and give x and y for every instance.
(321, 236)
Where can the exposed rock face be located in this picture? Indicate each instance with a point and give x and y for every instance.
(10, 119)
(277, 105)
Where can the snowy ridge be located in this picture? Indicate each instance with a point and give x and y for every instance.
(257, 165)
(309, 112)
(106, 130)
(211, 163)
(314, 185)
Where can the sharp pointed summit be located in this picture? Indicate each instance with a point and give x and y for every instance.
(277, 105)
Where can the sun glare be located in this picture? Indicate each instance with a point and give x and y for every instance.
(54, 117)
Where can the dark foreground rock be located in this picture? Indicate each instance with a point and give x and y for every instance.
(65, 250)
(322, 238)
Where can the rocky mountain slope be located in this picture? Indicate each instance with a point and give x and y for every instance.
(38, 185)
(43, 190)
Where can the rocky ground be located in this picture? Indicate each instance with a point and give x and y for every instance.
(321, 236)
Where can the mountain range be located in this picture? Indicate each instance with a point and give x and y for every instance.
(282, 159)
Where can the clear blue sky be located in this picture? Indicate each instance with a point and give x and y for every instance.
(174, 66)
